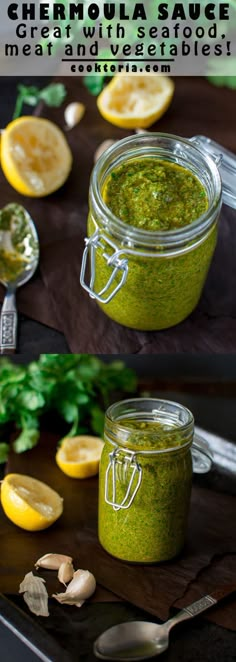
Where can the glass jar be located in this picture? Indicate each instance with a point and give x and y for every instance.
(145, 479)
(153, 280)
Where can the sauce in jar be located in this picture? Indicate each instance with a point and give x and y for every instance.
(154, 195)
(152, 229)
(152, 526)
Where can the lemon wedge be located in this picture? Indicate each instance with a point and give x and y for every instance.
(79, 457)
(135, 101)
(29, 503)
(35, 156)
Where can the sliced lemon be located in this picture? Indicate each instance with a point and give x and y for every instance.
(29, 503)
(35, 156)
(79, 457)
(135, 101)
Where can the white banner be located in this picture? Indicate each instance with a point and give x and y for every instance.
(80, 38)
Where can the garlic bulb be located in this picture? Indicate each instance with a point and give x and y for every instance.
(35, 594)
(52, 561)
(73, 114)
(80, 588)
(65, 572)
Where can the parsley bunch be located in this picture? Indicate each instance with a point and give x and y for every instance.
(78, 387)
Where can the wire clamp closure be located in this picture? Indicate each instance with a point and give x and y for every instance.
(123, 467)
(118, 264)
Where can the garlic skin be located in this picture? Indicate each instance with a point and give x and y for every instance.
(35, 594)
(73, 114)
(80, 589)
(65, 572)
(52, 561)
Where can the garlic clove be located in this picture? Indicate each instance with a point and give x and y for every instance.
(65, 600)
(81, 587)
(52, 561)
(35, 594)
(141, 131)
(65, 572)
(83, 583)
(102, 147)
(73, 114)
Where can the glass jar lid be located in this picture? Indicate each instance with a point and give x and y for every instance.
(226, 163)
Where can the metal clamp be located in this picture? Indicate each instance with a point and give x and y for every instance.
(119, 468)
(119, 266)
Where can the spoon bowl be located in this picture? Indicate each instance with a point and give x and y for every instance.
(19, 251)
(136, 640)
(139, 640)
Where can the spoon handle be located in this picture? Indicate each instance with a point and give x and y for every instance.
(8, 323)
(201, 605)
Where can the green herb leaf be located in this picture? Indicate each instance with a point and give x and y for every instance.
(53, 95)
(69, 411)
(77, 386)
(31, 400)
(94, 84)
(26, 440)
(4, 450)
(97, 420)
(223, 81)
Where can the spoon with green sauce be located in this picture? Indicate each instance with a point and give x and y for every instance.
(19, 257)
(139, 640)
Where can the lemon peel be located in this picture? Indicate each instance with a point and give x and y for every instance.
(132, 102)
(29, 503)
(35, 156)
(79, 457)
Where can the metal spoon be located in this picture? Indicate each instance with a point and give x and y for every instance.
(139, 640)
(27, 250)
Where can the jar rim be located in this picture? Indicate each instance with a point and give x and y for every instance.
(162, 237)
(183, 426)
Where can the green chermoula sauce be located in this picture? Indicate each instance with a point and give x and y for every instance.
(160, 290)
(155, 195)
(153, 528)
(17, 244)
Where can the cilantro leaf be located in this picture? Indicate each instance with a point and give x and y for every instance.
(26, 440)
(53, 95)
(79, 387)
(94, 84)
(4, 449)
(97, 420)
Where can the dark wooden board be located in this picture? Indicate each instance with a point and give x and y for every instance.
(207, 561)
(209, 557)
(55, 296)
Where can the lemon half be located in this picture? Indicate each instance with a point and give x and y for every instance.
(29, 503)
(135, 101)
(35, 156)
(79, 457)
